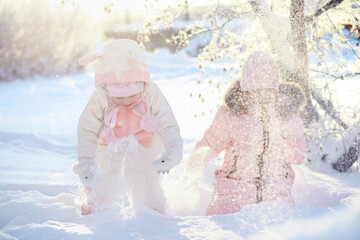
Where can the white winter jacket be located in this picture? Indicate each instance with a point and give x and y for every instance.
(91, 121)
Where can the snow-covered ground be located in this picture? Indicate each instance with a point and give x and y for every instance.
(39, 194)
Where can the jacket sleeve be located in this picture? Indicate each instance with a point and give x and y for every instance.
(168, 127)
(295, 141)
(90, 125)
(215, 140)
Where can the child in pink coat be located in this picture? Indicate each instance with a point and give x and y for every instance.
(127, 118)
(248, 128)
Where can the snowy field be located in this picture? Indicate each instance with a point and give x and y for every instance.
(39, 194)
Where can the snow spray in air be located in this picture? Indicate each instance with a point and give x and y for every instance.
(112, 191)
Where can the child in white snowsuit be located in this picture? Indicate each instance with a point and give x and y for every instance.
(126, 108)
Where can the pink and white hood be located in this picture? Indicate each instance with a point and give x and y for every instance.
(119, 61)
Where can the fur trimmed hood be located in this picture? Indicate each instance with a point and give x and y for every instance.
(234, 98)
(292, 99)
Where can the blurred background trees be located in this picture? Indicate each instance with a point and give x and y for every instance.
(41, 37)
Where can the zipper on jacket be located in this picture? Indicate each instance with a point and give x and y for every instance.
(236, 157)
(260, 158)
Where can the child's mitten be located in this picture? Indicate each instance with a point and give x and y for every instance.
(86, 169)
(88, 178)
(168, 160)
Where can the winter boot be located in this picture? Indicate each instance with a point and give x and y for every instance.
(88, 207)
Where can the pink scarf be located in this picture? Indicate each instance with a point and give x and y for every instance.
(148, 122)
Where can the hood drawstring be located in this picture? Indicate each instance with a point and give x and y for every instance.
(236, 157)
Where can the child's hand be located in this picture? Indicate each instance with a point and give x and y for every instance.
(168, 160)
(88, 178)
(86, 170)
(164, 165)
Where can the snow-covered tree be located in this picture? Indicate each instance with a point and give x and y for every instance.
(293, 31)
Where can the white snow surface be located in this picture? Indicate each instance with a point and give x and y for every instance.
(40, 197)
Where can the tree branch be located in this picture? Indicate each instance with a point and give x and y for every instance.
(342, 36)
(212, 29)
(329, 108)
(335, 76)
(326, 7)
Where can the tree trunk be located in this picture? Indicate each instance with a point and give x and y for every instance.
(299, 45)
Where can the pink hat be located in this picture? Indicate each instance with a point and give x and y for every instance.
(260, 71)
(124, 89)
(119, 61)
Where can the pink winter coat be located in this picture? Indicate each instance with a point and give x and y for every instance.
(241, 137)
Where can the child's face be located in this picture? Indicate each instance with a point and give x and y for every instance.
(127, 101)
(262, 97)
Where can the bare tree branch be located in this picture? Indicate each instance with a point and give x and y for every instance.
(342, 36)
(326, 7)
(335, 76)
(212, 29)
(329, 108)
